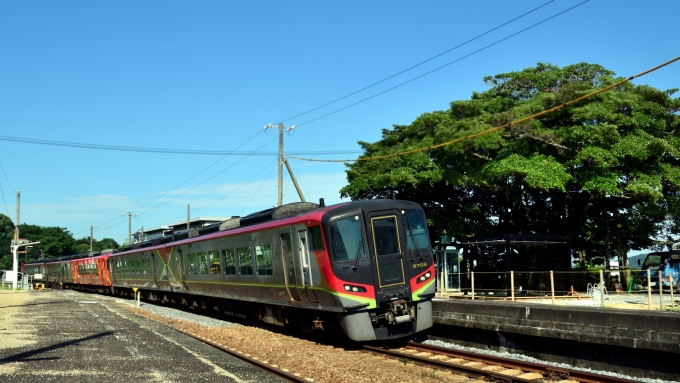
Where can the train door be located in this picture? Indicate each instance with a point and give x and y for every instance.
(176, 272)
(303, 257)
(288, 263)
(386, 244)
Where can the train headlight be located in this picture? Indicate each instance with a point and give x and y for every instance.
(355, 289)
(424, 277)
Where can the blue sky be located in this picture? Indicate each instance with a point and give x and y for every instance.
(209, 75)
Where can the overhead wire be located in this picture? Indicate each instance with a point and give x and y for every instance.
(497, 128)
(215, 175)
(6, 179)
(3, 200)
(443, 66)
(181, 184)
(148, 150)
(418, 64)
(256, 191)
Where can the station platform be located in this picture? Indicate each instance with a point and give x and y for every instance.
(59, 336)
(641, 343)
(638, 329)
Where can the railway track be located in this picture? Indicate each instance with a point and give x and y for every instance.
(263, 364)
(487, 367)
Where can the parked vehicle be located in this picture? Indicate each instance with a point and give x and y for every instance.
(665, 262)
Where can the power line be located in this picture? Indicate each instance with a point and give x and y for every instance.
(3, 172)
(257, 191)
(419, 64)
(443, 66)
(151, 150)
(3, 200)
(234, 191)
(215, 175)
(494, 129)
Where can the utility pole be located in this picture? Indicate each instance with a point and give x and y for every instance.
(281, 162)
(91, 236)
(130, 215)
(188, 216)
(16, 225)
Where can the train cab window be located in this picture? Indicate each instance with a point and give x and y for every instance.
(229, 262)
(316, 239)
(347, 239)
(385, 235)
(202, 263)
(245, 261)
(214, 259)
(263, 254)
(416, 230)
(191, 264)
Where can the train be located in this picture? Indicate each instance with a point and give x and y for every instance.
(365, 268)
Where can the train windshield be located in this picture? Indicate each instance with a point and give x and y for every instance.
(347, 239)
(416, 230)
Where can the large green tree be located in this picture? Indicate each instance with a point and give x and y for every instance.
(605, 171)
(6, 236)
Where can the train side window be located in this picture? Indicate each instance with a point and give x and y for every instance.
(245, 261)
(191, 263)
(214, 258)
(138, 267)
(229, 262)
(202, 263)
(263, 254)
(315, 236)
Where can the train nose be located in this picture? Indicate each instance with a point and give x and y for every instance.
(400, 312)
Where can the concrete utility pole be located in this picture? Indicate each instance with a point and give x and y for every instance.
(91, 236)
(130, 215)
(188, 217)
(16, 225)
(282, 161)
(15, 260)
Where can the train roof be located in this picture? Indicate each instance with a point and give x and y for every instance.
(289, 214)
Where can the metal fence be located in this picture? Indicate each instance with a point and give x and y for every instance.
(586, 284)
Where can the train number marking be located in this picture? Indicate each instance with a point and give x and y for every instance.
(417, 265)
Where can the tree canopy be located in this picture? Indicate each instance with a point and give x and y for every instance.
(54, 242)
(605, 171)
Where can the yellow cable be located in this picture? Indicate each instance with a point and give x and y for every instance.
(539, 114)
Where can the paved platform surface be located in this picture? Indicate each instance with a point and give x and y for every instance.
(63, 338)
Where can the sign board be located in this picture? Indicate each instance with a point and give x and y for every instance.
(446, 239)
(37, 276)
(9, 276)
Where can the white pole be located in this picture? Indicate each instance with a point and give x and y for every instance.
(512, 285)
(602, 288)
(670, 283)
(660, 291)
(14, 265)
(649, 289)
(472, 275)
(552, 287)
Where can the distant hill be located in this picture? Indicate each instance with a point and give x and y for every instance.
(633, 260)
